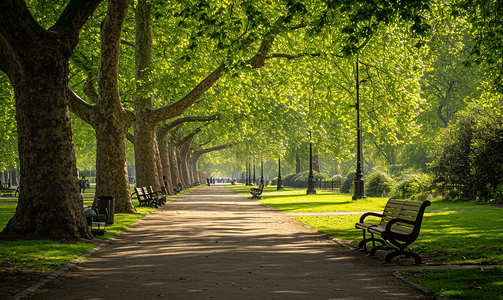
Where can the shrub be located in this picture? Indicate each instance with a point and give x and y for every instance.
(378, 184)
(299, 180)
(412, 186)
(347, 185)
(468, 163)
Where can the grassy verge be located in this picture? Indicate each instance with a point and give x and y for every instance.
(473, 283)
(47, 256)
(452, 232)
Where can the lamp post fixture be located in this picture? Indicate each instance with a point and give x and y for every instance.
(280, 180)
(310, 179)
(359, 181)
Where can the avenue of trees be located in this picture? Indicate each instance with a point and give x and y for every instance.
(174, 88)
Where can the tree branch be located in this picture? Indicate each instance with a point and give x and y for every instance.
(293, 56)
(177, 108)
(75, 15)
(164, 129)
(128, 43)
(81, 108)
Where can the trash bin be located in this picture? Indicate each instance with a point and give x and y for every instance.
(108, 203)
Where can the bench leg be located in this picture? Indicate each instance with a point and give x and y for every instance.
(363, 244)
(384, 246)
(417, 258)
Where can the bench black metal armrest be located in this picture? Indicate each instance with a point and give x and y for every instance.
(398, 220)
(373, 214)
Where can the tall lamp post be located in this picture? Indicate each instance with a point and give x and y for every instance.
(261, 171)
(280, 180)
(310, 179)
(254, 178)
(249, 173)
(359, 181)
(246, 172)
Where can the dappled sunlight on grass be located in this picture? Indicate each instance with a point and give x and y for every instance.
(446, 237)
(297, 201)
(447, 204)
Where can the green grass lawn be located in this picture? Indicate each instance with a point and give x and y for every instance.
(452, 232)
(47, 256)
(462, 283)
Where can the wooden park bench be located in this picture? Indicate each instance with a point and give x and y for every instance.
(159, 196)
(143, 198)
(155, 200)
(7, 191)
(398, 228)
(256, 192)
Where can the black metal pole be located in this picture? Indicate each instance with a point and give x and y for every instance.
(280, 180)
(249, 173)
(261, 171)
(359, 181)
(246, 172)
(310, 179)
(254, 178)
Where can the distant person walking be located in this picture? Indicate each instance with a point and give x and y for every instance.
(83, 184)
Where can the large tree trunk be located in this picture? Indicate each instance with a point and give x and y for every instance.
(182, 168)
(173, 163)
(145, 143)
(50, 205)
(298, 165)
(112, 119)
(111, 165)
(108, 117)
(166, 168)
(36, 61)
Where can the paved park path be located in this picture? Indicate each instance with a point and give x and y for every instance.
(215, 244)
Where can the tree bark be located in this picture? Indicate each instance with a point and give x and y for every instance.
(298, 165)
(172, 156)
(316, 163)
(166, 168)
(36, 62)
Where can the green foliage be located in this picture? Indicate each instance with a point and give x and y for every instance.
(347, 185)
(486, 27)
(378, 184)
(8, 136)
(468, 162)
